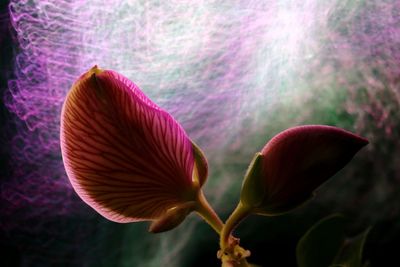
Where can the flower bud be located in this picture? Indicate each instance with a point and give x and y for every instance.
(293, 164)
(126, 157)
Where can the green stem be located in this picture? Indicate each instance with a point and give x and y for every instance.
(233, 221)
(204, 209)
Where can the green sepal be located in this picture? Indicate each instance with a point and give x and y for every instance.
(253, 190)
(172, 218)
(200, 170)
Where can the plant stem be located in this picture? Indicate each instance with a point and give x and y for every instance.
(233, 221)
(204, 209)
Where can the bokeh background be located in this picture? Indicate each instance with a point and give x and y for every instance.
(233, 73)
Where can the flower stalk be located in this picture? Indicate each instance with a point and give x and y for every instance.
(204, 210)
(240, 213)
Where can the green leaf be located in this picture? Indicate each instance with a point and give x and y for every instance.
(320, 245)
(350, 254)
(326, 245)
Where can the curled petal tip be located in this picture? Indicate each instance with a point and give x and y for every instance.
(96, 70)
(126, 157)
(172, 218)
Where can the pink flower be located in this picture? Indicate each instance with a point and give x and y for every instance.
(294, 163)
(125, 156)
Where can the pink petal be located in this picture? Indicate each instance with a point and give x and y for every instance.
(300, 159)
(125, 157)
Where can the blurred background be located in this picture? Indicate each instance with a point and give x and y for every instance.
(234, 74)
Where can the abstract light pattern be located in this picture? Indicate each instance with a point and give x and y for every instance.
(231, 72)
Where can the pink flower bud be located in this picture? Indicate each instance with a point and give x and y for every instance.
(125, 156)
(294, 163)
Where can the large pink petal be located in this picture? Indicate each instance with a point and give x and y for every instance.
(300, 159)
(125, 157)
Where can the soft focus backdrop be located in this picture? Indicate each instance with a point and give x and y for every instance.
(233, 73)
